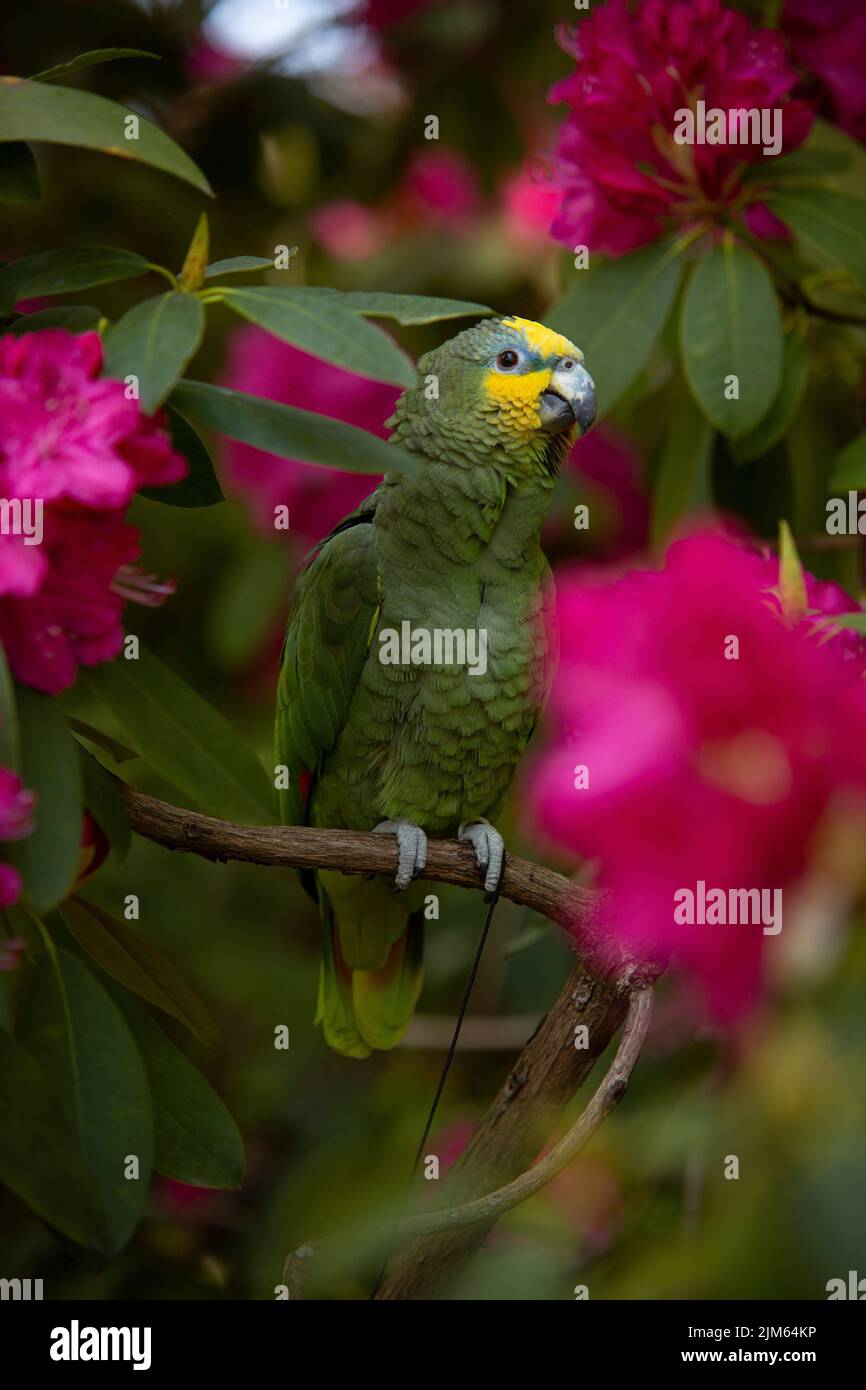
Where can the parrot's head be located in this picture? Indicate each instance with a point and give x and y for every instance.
(508, 391)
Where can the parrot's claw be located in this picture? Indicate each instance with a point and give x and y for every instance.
(489, 848)
(412, 847)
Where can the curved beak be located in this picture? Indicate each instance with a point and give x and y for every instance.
(569, 399)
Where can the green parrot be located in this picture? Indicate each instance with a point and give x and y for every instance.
(417, 656)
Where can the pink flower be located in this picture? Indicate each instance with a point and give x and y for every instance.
(317, 498)
(623, 177)
(349, 231)
(829, 38)
(73, 618)
(73, 443)
(700, 765)
(17, 808)
(67, 433)
(530, 202)
(441, 184)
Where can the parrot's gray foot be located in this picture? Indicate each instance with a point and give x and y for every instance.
(412, 846)
(489, 848)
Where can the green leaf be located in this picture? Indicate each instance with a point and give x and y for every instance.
(75, 318)
(682, 482)
(792, 583)
(40, 1160)
(783, 412)
(64, 272)
(614, 315)
(115, 750)
(238, 265)
(404, 308)
(137, 965)
(730, 326)
(321, 325)
(289, 432)
(192, 274)
(19, 174)
(10, 734)
(185, 739)
(154, 341)
(801, 164)
(91, 59)
(104, 802)
(196, 1139)
(829, 227)
(75, 1030)
(200, 487)
(64, 116)
(848, 470)
(48, 859)
(853, 622)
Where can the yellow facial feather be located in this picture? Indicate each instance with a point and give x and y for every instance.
(544, 340)
(517, 396)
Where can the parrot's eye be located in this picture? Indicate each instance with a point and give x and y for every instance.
(507, 360)
(567, 364)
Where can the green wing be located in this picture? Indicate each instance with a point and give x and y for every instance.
(326, 644)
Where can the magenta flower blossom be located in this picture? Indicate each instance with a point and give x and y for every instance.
(72, 442)
(73, 616)
(317, 498)
(829, 39)
(700, 735)
(17, 808)
(624, 180)
(67, 433)
(441, 185)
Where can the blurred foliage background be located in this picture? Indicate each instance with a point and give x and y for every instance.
(308, 120)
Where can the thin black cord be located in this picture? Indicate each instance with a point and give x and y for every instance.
(492, 899)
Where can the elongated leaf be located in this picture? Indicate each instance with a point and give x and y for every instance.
(64, 272)
(154, 342)
(682, 482)
(196, 1139)
(730, 328)
(290, 432)
(19, 174)
(614, 315)
(40, 1158)
(91, 59)
(792, 582)
(813, 165)
(137, 964)
(853, 622)
(239, 265)
(324, 327)
(200, 487)
(829, 226)
(75, 318)
(404, 308)
(76, 1031)
(104, 803)
(848, 470)
(782, 413)
(48, 859)
(184, 738)
(115, 750)
(10, 734)
(64, 116)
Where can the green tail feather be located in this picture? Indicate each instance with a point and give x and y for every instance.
(385, 1000)
(335, 1011)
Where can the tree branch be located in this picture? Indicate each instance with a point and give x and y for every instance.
(350, 852)
(495, 1170)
